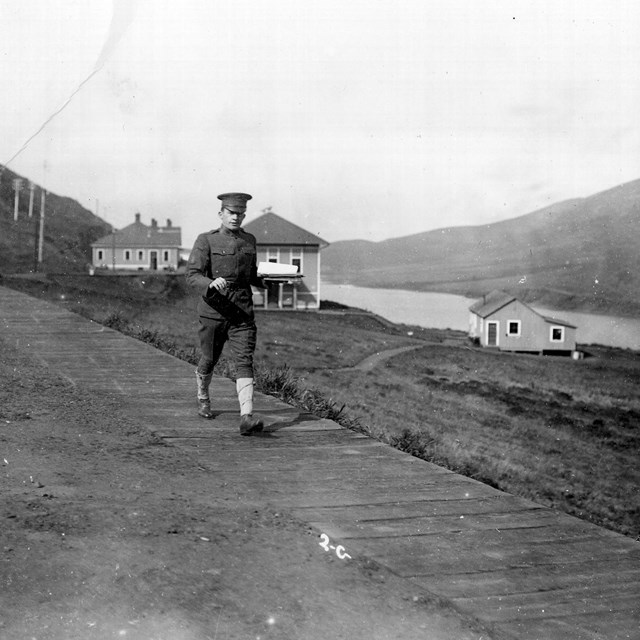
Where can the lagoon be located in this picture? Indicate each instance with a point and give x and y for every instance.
(449, 311)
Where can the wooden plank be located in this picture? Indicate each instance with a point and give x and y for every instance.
(463, 552)
(532, 518)
(403, 510)
(361, 452)
(554, 603)
(368, 453)
(269, 440)
(486, 529)
(353, 482)
(364, 460)
(527, 579)
(297, 496)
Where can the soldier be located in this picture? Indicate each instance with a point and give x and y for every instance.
(222, 266)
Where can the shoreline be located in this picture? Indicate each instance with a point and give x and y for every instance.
(439, 310)
(630, 311)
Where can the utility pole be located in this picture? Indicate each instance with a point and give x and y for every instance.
(31, 190)
(41, 234)
(113, 251)
(35, 245)
(17, 186)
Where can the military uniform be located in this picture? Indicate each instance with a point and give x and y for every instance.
(227, 316)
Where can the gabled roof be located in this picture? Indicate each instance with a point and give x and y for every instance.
(142, 235)
(491, 303)
(497, 299)
(271, 229)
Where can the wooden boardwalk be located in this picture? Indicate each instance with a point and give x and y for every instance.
(522, 570)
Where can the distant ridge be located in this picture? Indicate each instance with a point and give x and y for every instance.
(68, 232)
(580, 254)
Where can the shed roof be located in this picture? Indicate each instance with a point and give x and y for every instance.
(497, 299)
(139, 234)
(559, 321)
(271, 229)
(491, 303)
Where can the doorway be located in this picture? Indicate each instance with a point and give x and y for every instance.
(492, 334)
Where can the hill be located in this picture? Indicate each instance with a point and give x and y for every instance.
(577, 254)
(68, 232)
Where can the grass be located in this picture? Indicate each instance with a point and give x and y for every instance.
(561, 432)
(521, 431)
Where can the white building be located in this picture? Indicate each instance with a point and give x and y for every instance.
(139, 247)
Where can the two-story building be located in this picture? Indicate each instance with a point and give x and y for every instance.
(281, 241)
(139, 247)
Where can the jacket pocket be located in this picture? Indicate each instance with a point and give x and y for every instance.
(223, 262)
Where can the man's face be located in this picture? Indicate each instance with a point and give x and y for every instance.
(231, 219)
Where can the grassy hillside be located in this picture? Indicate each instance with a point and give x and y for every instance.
(68, 232)
(579, 254)
(561, 432)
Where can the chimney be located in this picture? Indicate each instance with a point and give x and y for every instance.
(168, 223)
(137, 217)
(154, 223)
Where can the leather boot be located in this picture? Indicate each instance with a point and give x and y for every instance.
(204, 402)
(250, 425)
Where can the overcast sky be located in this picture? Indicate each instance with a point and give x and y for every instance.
(354, 119)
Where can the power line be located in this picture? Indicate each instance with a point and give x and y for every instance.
(51, 117)
(121, 17)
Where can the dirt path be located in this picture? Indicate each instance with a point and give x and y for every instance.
(106, 532)
(377, 358)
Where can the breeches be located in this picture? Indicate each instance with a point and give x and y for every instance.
(214, 334)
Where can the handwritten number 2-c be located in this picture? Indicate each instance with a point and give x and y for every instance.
(340, 550)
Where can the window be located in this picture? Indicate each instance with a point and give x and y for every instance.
(296, 258)
(127, 254)
(557, 334)
(100, 254)
(140, 254)
(513, 327)
(165, 256)
(273, 254)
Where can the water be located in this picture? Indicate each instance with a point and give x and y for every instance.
(448, 311)
(596, 329)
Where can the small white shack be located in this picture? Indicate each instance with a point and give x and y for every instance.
(501, 321)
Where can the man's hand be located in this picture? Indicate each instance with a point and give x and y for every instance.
(219, 284)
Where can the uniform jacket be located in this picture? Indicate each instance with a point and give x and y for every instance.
(224, 254)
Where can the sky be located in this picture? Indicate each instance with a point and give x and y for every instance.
(355, 120)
